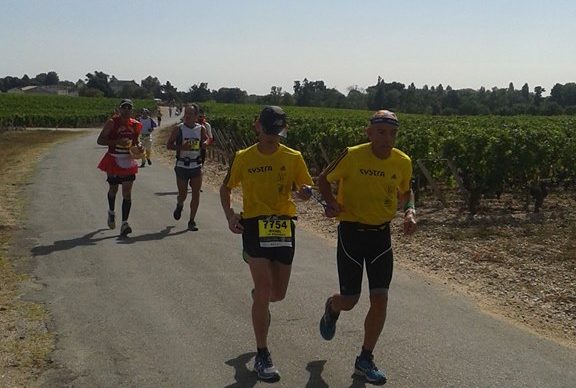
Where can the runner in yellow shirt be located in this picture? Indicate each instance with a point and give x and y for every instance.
(268, 173)
(373, 179)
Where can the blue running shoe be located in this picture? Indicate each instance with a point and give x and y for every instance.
(265, 369)
(365, 367)
(328, 322)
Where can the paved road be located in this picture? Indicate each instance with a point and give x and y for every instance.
(170, 308)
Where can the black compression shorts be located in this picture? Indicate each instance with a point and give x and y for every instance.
(359, 244)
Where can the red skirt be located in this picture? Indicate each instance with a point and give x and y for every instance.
(109, 165)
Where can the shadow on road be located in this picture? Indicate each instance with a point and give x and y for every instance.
(360, 382)
(63, 245)
(89, 239)
(165, 193)
(315, 368)
(151, 236)
(244, 377)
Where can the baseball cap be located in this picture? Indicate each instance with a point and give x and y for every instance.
(384, 117)
(126, 101)
(273, 120)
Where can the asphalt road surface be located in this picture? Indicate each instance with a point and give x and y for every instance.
(171, 308)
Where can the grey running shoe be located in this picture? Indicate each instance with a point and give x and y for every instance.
(111, 219)
(125, 229)
(265, 369)
(328, 322)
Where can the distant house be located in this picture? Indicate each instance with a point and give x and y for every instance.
(49, 89)
(118, 86)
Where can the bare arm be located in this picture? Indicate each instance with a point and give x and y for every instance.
(333, 208)
(232, 217)
(105, 133)
(203, 137)
(171, 142)
(406, 202)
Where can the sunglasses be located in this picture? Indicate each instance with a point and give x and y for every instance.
(128, 107)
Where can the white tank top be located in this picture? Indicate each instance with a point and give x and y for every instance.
(190, 158)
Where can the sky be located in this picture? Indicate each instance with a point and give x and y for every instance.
(257, 44)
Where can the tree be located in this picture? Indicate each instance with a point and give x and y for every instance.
(231, 95)
(169, 92)
(309, 93)
(356, 98)
(199, 92)
(153, 86)
(99, 81)
(538, 90)
(52, 78)
(526, 93)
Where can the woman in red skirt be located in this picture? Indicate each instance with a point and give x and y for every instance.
(120, 134)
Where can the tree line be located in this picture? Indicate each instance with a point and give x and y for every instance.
(433, 100)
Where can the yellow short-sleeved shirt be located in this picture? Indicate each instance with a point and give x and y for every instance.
(268, 180)
(368, 186)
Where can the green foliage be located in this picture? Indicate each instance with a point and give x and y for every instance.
(493, 153)
(17, 110)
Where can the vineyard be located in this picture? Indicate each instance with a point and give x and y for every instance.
(477, 156)
(17, 110)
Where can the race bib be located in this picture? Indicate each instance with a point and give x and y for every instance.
(125, 161)
(194, 144)
(274, 233)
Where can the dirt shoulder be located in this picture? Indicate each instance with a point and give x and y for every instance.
(25, 342)
(516, 264)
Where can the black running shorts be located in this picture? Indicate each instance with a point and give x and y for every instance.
(360, 244)
(186, 174)
(118, 179)
(252, 241)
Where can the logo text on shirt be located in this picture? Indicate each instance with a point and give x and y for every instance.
(255, 170)
(367, 172)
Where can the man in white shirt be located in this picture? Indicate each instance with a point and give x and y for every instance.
(148, 126)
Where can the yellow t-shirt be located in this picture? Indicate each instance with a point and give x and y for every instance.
(368, 186)
(267, 180)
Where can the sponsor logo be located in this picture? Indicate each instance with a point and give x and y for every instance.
(369, 172)
(256, 170)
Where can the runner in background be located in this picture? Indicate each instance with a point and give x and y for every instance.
(210, 138)
(187, 139)
(120, 134)
(148, 126)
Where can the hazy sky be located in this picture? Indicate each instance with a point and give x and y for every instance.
(256, 44)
